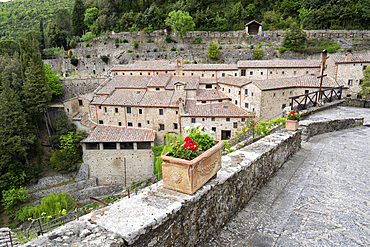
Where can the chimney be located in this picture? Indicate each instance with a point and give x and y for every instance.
(349, 57)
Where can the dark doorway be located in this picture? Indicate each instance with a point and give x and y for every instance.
(225, 134)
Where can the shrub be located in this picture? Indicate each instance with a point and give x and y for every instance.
(74, 61)
(155, 49)
(105, 42)
(221, 43)
(136, 44)
(117, 45)
(197, 40)
(13, 198)
(220, 47)
(186, 62)
(70, 53)
(181, 48)
(149, 41)
(169, 39)
(87, 45)
(238, 47)
(73, 44)
(120, 40)
(105, 58)
(87, 55)
(88, 36)
(147, 50)
(173, 49)
(258, 54)
(251, 47)
(213, 52)
(125, 41)
(116, 40)
(50, 204)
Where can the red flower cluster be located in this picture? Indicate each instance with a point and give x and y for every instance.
(190, 144)
(293, 112)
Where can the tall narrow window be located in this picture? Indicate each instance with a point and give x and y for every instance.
(242, 73)
(128, 109)
(160, 111)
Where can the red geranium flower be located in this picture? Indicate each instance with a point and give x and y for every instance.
(292, 112)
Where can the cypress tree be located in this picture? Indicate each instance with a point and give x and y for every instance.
(15, 137)
(36, 92)
(42, 46)
(78, 16)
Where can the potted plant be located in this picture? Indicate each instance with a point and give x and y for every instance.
(192, 161)
(291, 122)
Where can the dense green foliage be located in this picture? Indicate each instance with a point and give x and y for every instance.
(12, 199)
(213, 51)
(365, 85)
(50, 205)
(99, 16)
(53, 80)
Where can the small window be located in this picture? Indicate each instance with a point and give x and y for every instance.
(80, 103)
(148, 73)
(139, 125)
(175, 126)
(223, 74)
(126, 145)
(223, 89)
(213, 75)
(100, 107)
(283, 106)
(160, 111)
(157, 89)
(177, 112)
(295, 72)
(261, 73)
(213, 118)
(235, 125)
(251, 73)
(116, 73)
(119, 124)
(105, 109)
(178, 87)
(306, 91)
(229, 90)
(209, 86)
(243, 119)
(129, 124)
(246, 105)
(246, 92)
(274, 94)
(192, 73)
(270, 72)
(350, 82)
(227, 119)
(283, 93)
(239, 93)
(236, 74)
(242, 73)
(141, 73)
(360, 82)
(123, 73)
(306, 72)
(130, 73)
(282, 72)
(148, 122)
(92, 146)
(183, 73)
(252, 94)
(161, 127)
(109, 145)
(193, 120)
(214, 129)
(364, 67)
(140, 111)
(203, 102)
(101, 122)
(116, 110)
(236, 102)
(220, 100)
(202, 75)
(128, 109)
(143, 145)
(166, 72)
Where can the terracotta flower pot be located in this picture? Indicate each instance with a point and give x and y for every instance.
(291, 125)
(188, 176)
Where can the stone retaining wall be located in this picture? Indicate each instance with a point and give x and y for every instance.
(311, 128)
(357, 103)
(162, 217)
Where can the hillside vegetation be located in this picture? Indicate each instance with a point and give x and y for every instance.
(100, 16)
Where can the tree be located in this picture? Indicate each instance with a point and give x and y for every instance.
(213, 52)
(36, 92)
(78, 16)
(238, 16)
(53, 80)
(365, 86)
(63, 18)
(181, 21)
(57, 36)
(8, 47)
(91, 15)
(42, 43)
(258, 54)
(295, 38)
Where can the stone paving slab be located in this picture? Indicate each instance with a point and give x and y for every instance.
(320, 197)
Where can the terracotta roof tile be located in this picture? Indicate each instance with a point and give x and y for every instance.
(210, 67)
(79, 116)
(145, 66)
(158, 98)
(191, 82)
(159, 80)
(233, 81)
(124, 97)
(219, 109)
(279, 64)
(210, 94)
(88, 123)
(99, 99)
(300, 81)
(359, 58)
(106, 133)
(207, 81)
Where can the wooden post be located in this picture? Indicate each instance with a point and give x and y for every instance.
(40, 227)
(323, 61)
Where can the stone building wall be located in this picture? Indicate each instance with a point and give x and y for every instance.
(119, 166)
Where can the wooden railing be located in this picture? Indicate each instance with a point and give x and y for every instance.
(301, 102)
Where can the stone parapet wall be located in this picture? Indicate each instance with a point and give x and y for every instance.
(357, 103)
(161, 217)
(311, 128)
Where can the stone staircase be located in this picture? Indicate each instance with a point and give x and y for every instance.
(7, 238)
